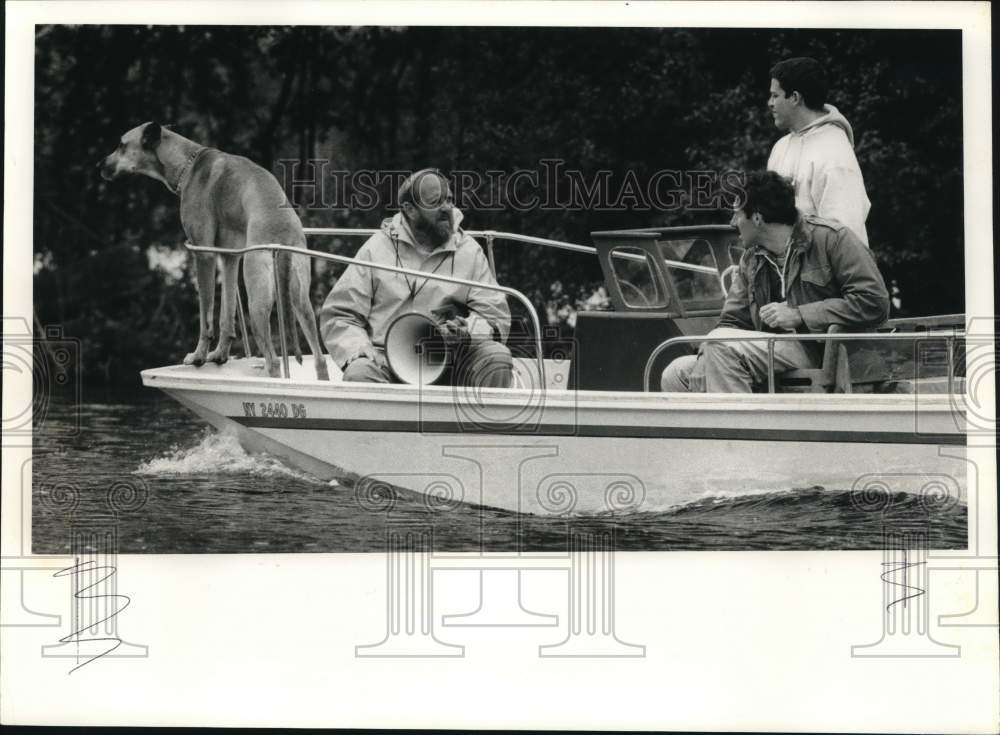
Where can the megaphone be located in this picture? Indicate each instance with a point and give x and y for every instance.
(415, 349)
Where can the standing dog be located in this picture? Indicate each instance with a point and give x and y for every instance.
(228, 202)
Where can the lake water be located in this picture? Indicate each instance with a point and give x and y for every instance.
(177, 486)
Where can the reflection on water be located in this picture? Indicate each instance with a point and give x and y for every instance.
(181, 487)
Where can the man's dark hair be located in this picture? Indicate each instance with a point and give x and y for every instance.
(772, 196)
(406, 191)
(805, 76)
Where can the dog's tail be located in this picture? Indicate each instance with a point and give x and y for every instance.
(291, 331)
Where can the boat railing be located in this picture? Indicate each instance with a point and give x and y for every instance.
(492, 236)
(948, 337)
(275, 249)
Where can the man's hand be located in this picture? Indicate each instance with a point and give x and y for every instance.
(366, 351)
(779, 315)
(454, 330)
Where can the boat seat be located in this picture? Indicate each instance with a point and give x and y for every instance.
(844, 371)
(832, 376)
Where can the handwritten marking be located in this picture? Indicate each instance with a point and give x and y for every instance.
(897, 567)
(75, 637)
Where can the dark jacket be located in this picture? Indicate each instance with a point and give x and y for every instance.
(829, 275)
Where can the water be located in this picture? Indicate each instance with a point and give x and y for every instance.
(181, 487)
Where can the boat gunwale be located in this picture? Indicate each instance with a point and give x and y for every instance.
(174, 378)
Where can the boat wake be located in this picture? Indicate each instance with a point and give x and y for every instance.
(220, 454)
(798, 518)
(814, 498)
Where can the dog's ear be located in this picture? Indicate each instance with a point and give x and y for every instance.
(150, 135)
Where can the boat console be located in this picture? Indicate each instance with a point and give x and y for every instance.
(663, 283)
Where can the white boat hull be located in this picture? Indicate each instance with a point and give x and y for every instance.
(560, 452)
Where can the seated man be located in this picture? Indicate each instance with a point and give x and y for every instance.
(800, 273)
(424, 235)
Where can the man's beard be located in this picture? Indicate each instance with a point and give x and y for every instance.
(437, 231)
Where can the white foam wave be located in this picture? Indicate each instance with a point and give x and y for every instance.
(702, 496)
(219, 454)
(724, 495)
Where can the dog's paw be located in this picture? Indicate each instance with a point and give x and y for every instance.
(218, 356)
(194, 358)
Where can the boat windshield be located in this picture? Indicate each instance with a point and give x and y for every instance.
(692, 285)
(635, 275)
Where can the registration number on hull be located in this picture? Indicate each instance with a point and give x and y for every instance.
(274, 409)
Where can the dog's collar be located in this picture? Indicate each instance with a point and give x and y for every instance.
(186, 168)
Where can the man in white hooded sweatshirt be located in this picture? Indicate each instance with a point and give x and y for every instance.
(817, 154)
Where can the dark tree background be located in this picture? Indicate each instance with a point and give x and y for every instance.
(381, 98)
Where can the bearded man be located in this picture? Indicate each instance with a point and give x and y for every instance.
(425, 236)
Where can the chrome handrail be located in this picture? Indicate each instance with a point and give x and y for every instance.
(948, 337)
(938, 321)
(276, 248)
(731, 271)
(680, 265)
(512, 236)
(492, 235)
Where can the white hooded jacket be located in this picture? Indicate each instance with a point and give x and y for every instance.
(820, 161)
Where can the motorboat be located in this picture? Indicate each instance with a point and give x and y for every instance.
(584, 429)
